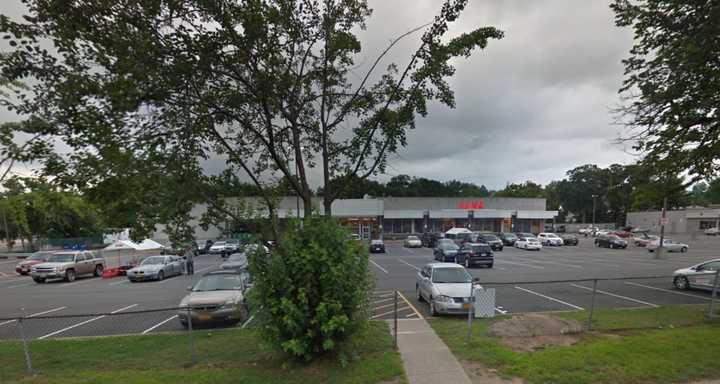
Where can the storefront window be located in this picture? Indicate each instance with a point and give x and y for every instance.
(705, 224)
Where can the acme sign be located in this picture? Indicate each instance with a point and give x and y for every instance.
(477, 204)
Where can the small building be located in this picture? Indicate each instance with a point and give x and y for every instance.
(400, 216)
(692, 220)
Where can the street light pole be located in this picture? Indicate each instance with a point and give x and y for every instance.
(593, 211)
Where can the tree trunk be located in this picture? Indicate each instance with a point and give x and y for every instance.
(327, 205)
(307, 205)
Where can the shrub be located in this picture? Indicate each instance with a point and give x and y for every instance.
(311, 293)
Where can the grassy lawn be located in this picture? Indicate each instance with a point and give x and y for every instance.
(657, 345)
(225, 356)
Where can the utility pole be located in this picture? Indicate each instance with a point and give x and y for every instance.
(663, 221)
(593, 212)
(7, 232)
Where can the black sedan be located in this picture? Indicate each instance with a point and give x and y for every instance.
(493, 241)
(429, 239)
(377, 246)
(446, 251)
(507, 238)
(570, 239)
(610, 241)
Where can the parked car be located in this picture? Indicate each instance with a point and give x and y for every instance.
(412, 242)
(204, 246)
(25, 266)
(377, 246)
(429, 239)
(570, 239)
(68, 265)
(217, 248)
(471, 254)
(610, 241)
(218, 297)
(668, 246)
(643, 239)
(156, 268)
(588, 231)
(528, 242)
(507, 238)
(446, 287)
(488, 238)
(236, 261)
(459, 235)
(446, 251)
(225, 248)
(712, 231)
(602, 232)
(699, 276)
(548, 238)
(622, 234)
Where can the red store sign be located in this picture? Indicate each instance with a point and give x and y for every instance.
(477, 204)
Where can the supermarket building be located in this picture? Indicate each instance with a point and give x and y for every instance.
(400, 216)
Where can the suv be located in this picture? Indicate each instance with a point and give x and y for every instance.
(68, 265)
(610, 241)
(507, 238)
(430, 239)
(488, 238)
(475, 254)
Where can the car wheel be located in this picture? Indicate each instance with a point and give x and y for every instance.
(70, 275)
(418, 294)
(98, 271)
(683, 249)
(490, 265)
(39, 280)
(160, 276)
(681, 282)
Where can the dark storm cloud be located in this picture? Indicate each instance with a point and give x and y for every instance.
(529, 107)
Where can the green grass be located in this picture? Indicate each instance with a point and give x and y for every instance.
(227, 356)
(673, 344)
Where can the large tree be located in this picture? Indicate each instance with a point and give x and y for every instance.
(672, 83)
(264, 85)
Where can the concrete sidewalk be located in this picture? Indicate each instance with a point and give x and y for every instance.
(427, 360)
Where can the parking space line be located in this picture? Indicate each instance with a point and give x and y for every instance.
(205, 269)
(668, 290)
(382, 300)
(408, 264)
(12, 281)
(411, 315)
(10, 261)
(500, 311)
(521, 264)
(618, 296)
(388, 313)
(36, 314)
(20, 285)
(245, 324)
(384, 306)
(410, 304)
(550, 298)
(552, 262)
(409, 250)
(76, 282)
(120, 282)
(158, 325)
(378, 266)
(84, 322)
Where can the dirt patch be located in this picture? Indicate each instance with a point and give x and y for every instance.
(480, 374)
(526, 333)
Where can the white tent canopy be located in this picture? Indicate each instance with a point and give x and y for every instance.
(149, 244)
(455, 231)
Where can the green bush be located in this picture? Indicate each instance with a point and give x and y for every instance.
(311, 293)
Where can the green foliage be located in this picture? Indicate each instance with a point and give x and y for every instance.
(311, 293)
(672, 81)
(526, 189)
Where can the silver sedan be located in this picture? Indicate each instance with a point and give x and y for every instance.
(700, 276)
(446, 287)
(156, 268)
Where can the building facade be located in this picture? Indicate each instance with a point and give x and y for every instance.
(685, 221)
(401, 216)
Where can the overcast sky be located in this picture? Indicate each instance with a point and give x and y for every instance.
(529, 107)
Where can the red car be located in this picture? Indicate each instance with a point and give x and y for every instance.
(24, 266)
(623, 234)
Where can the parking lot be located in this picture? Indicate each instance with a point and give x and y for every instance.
(515, 269)
(395, 270)
(22, 296)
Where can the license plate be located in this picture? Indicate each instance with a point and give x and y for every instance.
(466, 306)
(204, 317)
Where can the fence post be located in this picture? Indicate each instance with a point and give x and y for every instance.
(471, 311)
(190, 336)
(711, 311)
(26, 348)
(395, 320)
(592, 306)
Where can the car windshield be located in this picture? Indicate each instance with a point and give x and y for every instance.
(450, 275)
(448, 247)
(530, 238)
(412, 238)
(488, 237)
(218, 283)
(510, 236)
(233, 241)
(61, 258)
(237, 257)
(219, 243)
(155, 260)
(39, 256)
(613, 237)
(552, 235)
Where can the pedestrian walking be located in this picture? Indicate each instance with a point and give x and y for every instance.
(189, 260)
